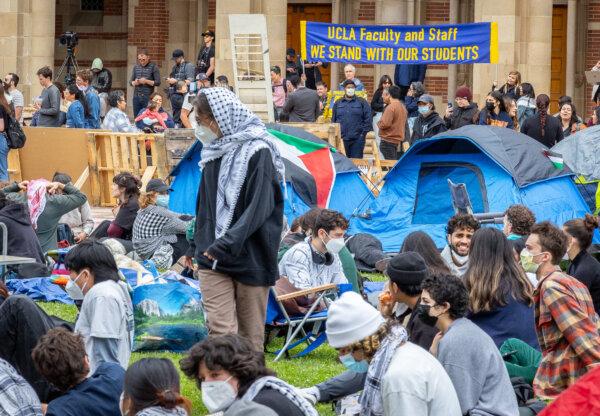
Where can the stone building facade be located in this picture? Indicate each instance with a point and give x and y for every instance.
(551, 42)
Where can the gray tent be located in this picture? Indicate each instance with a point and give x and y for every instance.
(581, 152)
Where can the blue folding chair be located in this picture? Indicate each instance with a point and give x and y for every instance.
(278, 316)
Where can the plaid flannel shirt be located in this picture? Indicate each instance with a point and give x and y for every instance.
(17, 397)
(567, 329)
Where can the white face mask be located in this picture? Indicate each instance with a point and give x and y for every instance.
(350, 92)
(73, 290)
(335, 245)
(217, 395)
(204, 134)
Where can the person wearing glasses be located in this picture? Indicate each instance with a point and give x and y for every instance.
(116, 119)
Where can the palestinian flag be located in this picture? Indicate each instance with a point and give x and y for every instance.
(309, 167)
(555, 158)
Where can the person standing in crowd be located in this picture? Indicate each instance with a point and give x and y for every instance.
(55, 200)
(16, 395)
(182, 71)
(459, 232)
(499, 290)
(181, 89)
(152, 388)
(543, 127)
(233, 241)
(569, 120)
(49, 109)
(293, 67)
(11, 80)
(525, 103)
(79, 220)
(377, 105)
(517, 220)
(101, 77)
(78, 111)
(402, 378)
(468, 354)
(159, 234)
(83, 79)
(494, 113)
(116, 119)
(566, 322)
(313, 73)
(511, 87)
(411, 100)
(145, 76)
(511, 110)
(392, 125)
(5, 115)
(205, 62)
(279, 91)
(584, 267)
(350, 74)
(407, 74)
(322, 93)
(303, 104)
(429, 123)
(354, 115)
(464, 113)
(60, 357)
(233, 377)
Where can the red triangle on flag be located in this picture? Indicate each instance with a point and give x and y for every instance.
(320, 164)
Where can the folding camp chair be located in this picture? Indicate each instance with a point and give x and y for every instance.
(277, 315)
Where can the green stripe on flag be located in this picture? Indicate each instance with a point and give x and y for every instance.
(557, 162)
(302, 145)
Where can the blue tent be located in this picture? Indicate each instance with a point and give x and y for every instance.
(500, 167)
(348, 192)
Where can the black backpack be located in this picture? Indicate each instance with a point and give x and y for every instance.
(14, 134)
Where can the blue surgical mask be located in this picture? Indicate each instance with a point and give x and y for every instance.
(424, 109)
(162, 201)
(192, 87)
(351, 364)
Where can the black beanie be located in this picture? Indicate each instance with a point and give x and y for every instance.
(407, 269)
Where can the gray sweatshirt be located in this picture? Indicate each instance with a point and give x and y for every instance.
(477, 371)
(50, 108)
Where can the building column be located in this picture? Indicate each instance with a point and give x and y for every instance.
(571, 36)
(389, 12)
(452, 68)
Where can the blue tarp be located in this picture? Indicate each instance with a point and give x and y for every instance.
(39, 289)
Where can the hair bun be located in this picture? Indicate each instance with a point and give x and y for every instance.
(169, 399)
(590, 222)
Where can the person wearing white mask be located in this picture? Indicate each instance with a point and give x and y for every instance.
(401, 377)
(315, 261)
(234, 380)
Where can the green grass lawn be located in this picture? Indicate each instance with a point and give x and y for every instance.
(301, 372)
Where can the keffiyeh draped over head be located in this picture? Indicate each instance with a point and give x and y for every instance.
(285, 389)
(243, 135)
(36, 199)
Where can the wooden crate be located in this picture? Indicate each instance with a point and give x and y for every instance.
(330, 132)
(112, 153)
(14, 166)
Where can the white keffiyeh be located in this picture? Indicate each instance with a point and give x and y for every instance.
(283, 388)
(243, 135)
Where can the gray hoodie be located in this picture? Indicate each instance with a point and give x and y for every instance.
(458, 264)
(477, 371)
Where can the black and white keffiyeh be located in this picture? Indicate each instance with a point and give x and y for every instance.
(371, 401)
(282, 387)
(161, 411)
(243, 135)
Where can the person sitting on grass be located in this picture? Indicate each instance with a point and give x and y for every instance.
(468, 354)
(79, 220)
(152, 389)
(231, 374)
(459, 231)
(16, 395)
(518, 220)
(60, 358)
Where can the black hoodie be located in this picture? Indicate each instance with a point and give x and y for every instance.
(22, 240)
(426, 127)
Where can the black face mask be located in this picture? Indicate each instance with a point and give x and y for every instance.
(490, 106)
(422, 311)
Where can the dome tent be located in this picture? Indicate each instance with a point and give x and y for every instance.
(499, 166)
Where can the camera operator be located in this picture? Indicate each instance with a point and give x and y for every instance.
(144, 77)
(205, 63)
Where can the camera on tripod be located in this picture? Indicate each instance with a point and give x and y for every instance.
(69, 39)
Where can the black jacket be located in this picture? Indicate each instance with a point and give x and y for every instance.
(427, 127)
(418, 332)
(367, 250)
(586, 269)
(553, 132)
(22, 240)
(462, 117)
(248, 250)
(377, 103)
(102, 81)
(302, 105)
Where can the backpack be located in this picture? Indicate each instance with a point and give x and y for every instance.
(15, 136)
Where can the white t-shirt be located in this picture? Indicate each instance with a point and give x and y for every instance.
(107, 312)
(18, 101)
(415, 383)
(187, 105)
